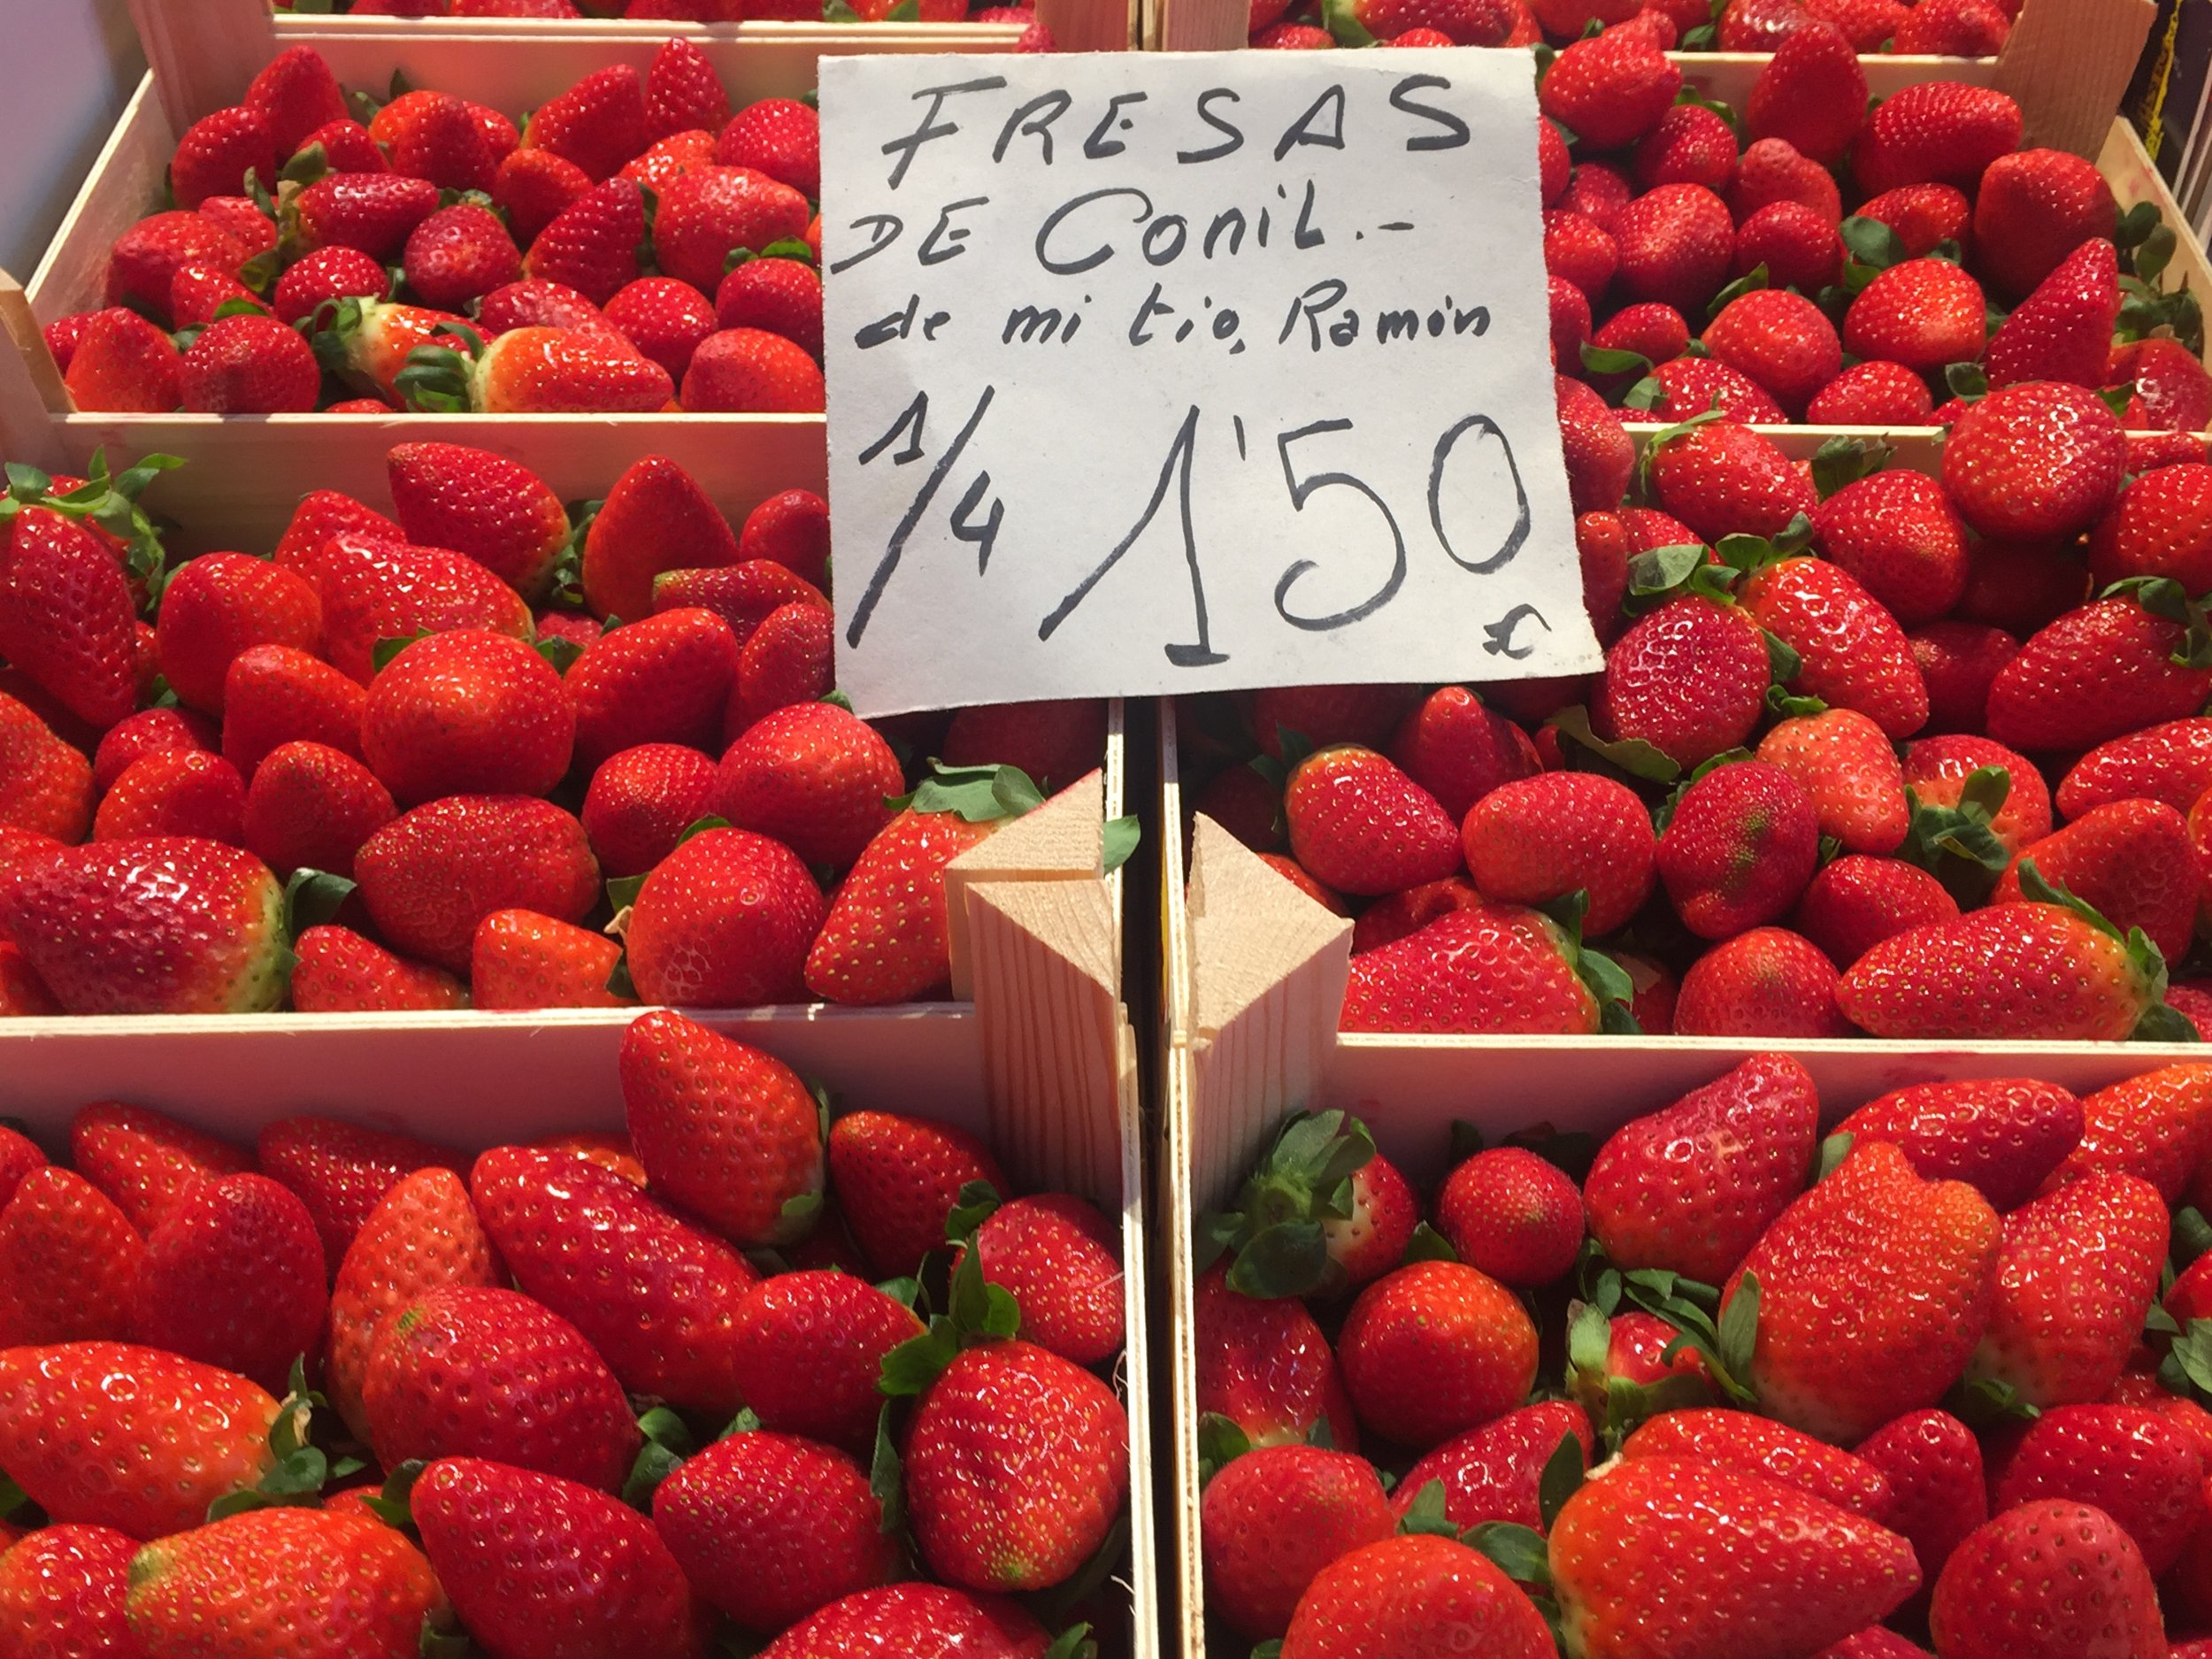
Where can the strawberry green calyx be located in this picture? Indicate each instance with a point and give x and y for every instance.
(441, 378)
(668, 1441)
(1842, 461)
(1274, 1235)
(785, 248)
(1616, 1405)
(1340, 18)
(1750, 281)
(2162, 596)
(1668, 435)
(1632, 756)
(977, 795)
(1664, 575)
(1958, 844)
(296, 1477)
(1608, 981)
(976, 1311)
(1518, 1550)
(108, 501)
(2158, 1023)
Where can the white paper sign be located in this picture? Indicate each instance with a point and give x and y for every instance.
(1152, 374)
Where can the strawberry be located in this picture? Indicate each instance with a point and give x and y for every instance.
(464, 1372)
(493, 509)
(181, 1434)
(781, 297)
(374, 590)
(67, 618)
(790, 529)
(682, 92)
(655, 518)
(2078, 1270)
(1938, 769)
(1415, 1592)
(812, 776)
(750, 372)
(321, 515)
(2156, 1126)
(144, 1161)
(532, 187)
(1609, 90)
(1060, 1260)
(1264, 1365)
(898, 1179)
(2063, 330)
(2046, 1579)
(1843, 762)
(342, 1171)
(1577, 249)
(1740, 847)
(467, 711)
(1512, 1215)
(1723, 479)
(423, 1235)
(1895, 532)
(1921, 314)
(1811, 92)
(664, 320)
(1850, 651)
(1688, 387)
(598, 123)
(1960, 661)
(2042, 459)
(62, 1591)
(1689, 145)
(1362, 825)
(779, 137)
(1752, 1445)
(144, 263)
(374, 212)
(174, 792)
(808, 1349)
(2131, 861)
(346, 147)
(432, 874)
(1772, 170)
(1933, 1465)
(1675, 242)
(655, 1295)
(671, 157)
(1798, 246)
(276, 694)
(198, 291)
(305, 1584)
(1493, 1472)
(665, 678)
(1954, 28)
(2112, 667)
(1275, 1518)
(1055, 743)
(432, 136)
(217, 153)
(45, 785)
(2169, 381)
(372, 343)
(1322, 1168)
(1459, 750)
(706, 214)
(592, 245)
(295, 93)
(2133, 1464)
(1766, 982)
(150, 732)
(1940, 132)
(1487, 968)
(1016, 1464)
(727, 1131)
(2003, 1136)
(2032, 209)
(640, 802)
(219, 604)
(1779, 340)
(69, 1262)
(234, 1277)
(458, 254)
(1718, 1559)
(158, 925)
(1873, 393)
(1594, 835)
(2157, 526)
(1601, 459)
(1476, 1348)
(915, 1617)
(310, 806)
(724, 921)
(520, 959)
(552, 370)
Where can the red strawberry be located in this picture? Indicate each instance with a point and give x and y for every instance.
(663, 318)
(67, 619)
(655, 1295)
(312, 806)
(1811, 92)
(458, 254)
(1675, 242)
(1875, 394)
(1960, 661)
(2002, 1135)
(1921, 314)
(275, 694)
(2169, 381)
(1851, 651)
(1477, 1353)
(1690, 145)
(2156, 1126)
(1494, 1474)
(1266, 1366)
(782, 297)
(198, 291)
(1459, 750)
(1016, 1464)
(218, 152)
(1937, 132)
(2133, 1464)
(2032, 208)
(1772, 170)
(372, 212)
(1054, 743)
(1847, 768)
(1485, 968)
(1799, 246)
(780, 137)
(1362, 825)
(294, 95)
(1938, 769)
(463, 1371)
(812, 776)
(431, 875)
(727, 1131)
(724, 921)
(914, 1616)
(341, 972)
(1577, 249)
(1514, 1217)
(45, 785)
(150, 732)
(669, 159)
(2047, 1580)
(342, 1171)
(2095, 675)
(2078, 1270)
(144, 263)
(346, 147)
(62, 1591)
(144, 1161)
(372, 343)
(2042, 459)
(1723, 479)
(683, 93)
(69, 1262)
(554, 371)
(1413, 1593)
(788, 658)
(467, 712)
(321, 515)
(1060, 1260)
(791, 529)
(750, 372)
(173, 792)
(1752, 1445)
(219, 604)
(809, 1349)
(1274, 1518)
(1740, 848)
(664, 679)
(592, 245)
(159, 925)
(532, 187)
(2131, 861)
(640, 802)
(1717, 1557)
(1895, 533)
(313, 1583)
(1609, 90)
(1954, 28)
(423, 1235)
(899, 1178)
(375, 590)
(2063, 330)
(181, 1434)
(1688, 387)
(1541, 838)
(520, 959)
(1933, 1465)
(1599, 457)
(494, 511)
(2157, 526)
(655, 518)
(234, 1277)
(2170, 763)
(432, 136)
(1781, 341)
(598, 123)
(1768, 983)
(706, 214)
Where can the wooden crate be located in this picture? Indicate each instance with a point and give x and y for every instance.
(1252, 972)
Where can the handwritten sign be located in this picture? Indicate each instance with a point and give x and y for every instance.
(1153, 374)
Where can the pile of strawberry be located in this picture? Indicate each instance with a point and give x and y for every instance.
(1942, 28)
(1939, 1380)
(604, 1397)
(634, 247)
(686, 10)
(391, 766)
(1872, 751)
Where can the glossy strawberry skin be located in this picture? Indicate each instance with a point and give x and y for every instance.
(1595, 836)
(903, 1615)
(1266, 1366)
(655, 518)
(1646, 691)
(2040, 459)
(2046, 1579)
(145, 1161)
(2026, 970)
(69, 1262)
(1853, 654)
(62, 1591)
(233, 1276)
(340, 971)
(66, 617)
(1274, 1518)
(1361, 826)
(1758, 1446)
(1485, 968)
(1937, 1496)
(808, 1349)
(2170, 763)
(1493, 1472)
(724, 921)
(887, 937)
(2157, 1126)
(1434, 1349)
(2003, 1136)
(2133, 1464)
(432, 874)
(2131, 861)
(1743, 842)
(1412, 1594)
(467, 712)
(1060, 1259)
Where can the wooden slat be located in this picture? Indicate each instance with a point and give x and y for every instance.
(204, 55)
(31, 392)
(2067, 63)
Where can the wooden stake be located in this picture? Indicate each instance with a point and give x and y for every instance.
(2067, 63)
(1062, 841)
(31, 391)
